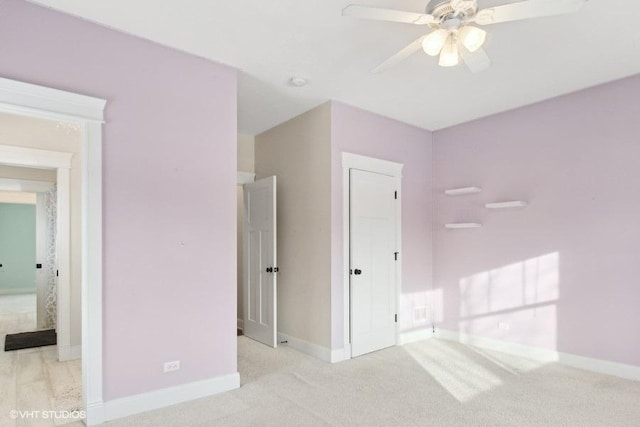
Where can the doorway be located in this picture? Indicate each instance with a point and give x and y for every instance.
(86, 114)
(28, 246)
(372, 257)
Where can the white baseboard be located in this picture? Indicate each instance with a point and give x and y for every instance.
(70, 352)
(404, 338)
(543, 355)
(99, 413)
(317, 351)
(415, 335)
(341, 354)
(241, 324)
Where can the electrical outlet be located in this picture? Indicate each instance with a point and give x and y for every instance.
(171, 366)
(503, 326)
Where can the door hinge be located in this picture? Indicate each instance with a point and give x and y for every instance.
(57, 273)
(396, 318)
(395, 195)
(395, 255)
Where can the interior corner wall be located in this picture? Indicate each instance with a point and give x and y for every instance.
(169, 201)
(17, 248)
(562, 273)
(298, 153)
(361, 132)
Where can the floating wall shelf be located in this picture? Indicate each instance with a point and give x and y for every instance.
(462, 191)
(506, 205)
(461, 225)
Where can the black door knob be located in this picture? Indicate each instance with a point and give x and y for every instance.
(269, 270)
(357, 272)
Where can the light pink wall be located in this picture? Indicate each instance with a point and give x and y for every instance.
(169, 191)
(360, 132)
(564, 272)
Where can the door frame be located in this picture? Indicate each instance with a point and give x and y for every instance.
(383, 167)
(40, 102)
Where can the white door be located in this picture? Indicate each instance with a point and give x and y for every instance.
(260, 268)
(373, 256)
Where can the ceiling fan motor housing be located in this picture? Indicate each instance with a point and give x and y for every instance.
(448, 9)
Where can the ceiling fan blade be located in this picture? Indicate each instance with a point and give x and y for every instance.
(476, 61)
(377, 14)
(526, 10)
(400, 56)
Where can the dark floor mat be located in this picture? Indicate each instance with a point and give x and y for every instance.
(30, 340)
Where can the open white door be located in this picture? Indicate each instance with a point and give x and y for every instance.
(373, 266)
(260, 268)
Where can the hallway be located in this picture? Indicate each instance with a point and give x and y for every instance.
(33, 379)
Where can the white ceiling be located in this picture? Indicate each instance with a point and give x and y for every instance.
(271, 41)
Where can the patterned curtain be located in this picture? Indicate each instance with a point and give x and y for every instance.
(51, 289)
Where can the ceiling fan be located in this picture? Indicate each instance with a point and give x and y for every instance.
(453, 34)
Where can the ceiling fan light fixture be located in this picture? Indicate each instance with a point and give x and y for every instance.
(472, 38)
(449, 57)
(434, 42)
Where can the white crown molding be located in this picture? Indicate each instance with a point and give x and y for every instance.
(131, 405)
(25, 97)
(32, 157)
(25, 185)
(543, 355)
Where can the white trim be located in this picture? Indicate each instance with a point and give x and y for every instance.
(340, 354)
(246, 177)
(63, 260)
(131, 405)
(27, 99)
(314, 350)
(371, 164)
(34, 158)
(385, 167)
(543, 355)
(72, 352)
(408, 337)
(240, 324)
(9, 184)
(92, 375)
(87, 112)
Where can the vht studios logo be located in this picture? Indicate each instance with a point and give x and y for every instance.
(48, 415)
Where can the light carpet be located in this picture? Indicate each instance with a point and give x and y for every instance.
(428, 383)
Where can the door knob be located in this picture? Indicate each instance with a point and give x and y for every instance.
(269, 269)
(357, 272)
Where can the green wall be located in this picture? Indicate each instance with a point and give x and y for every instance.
(17, 248)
